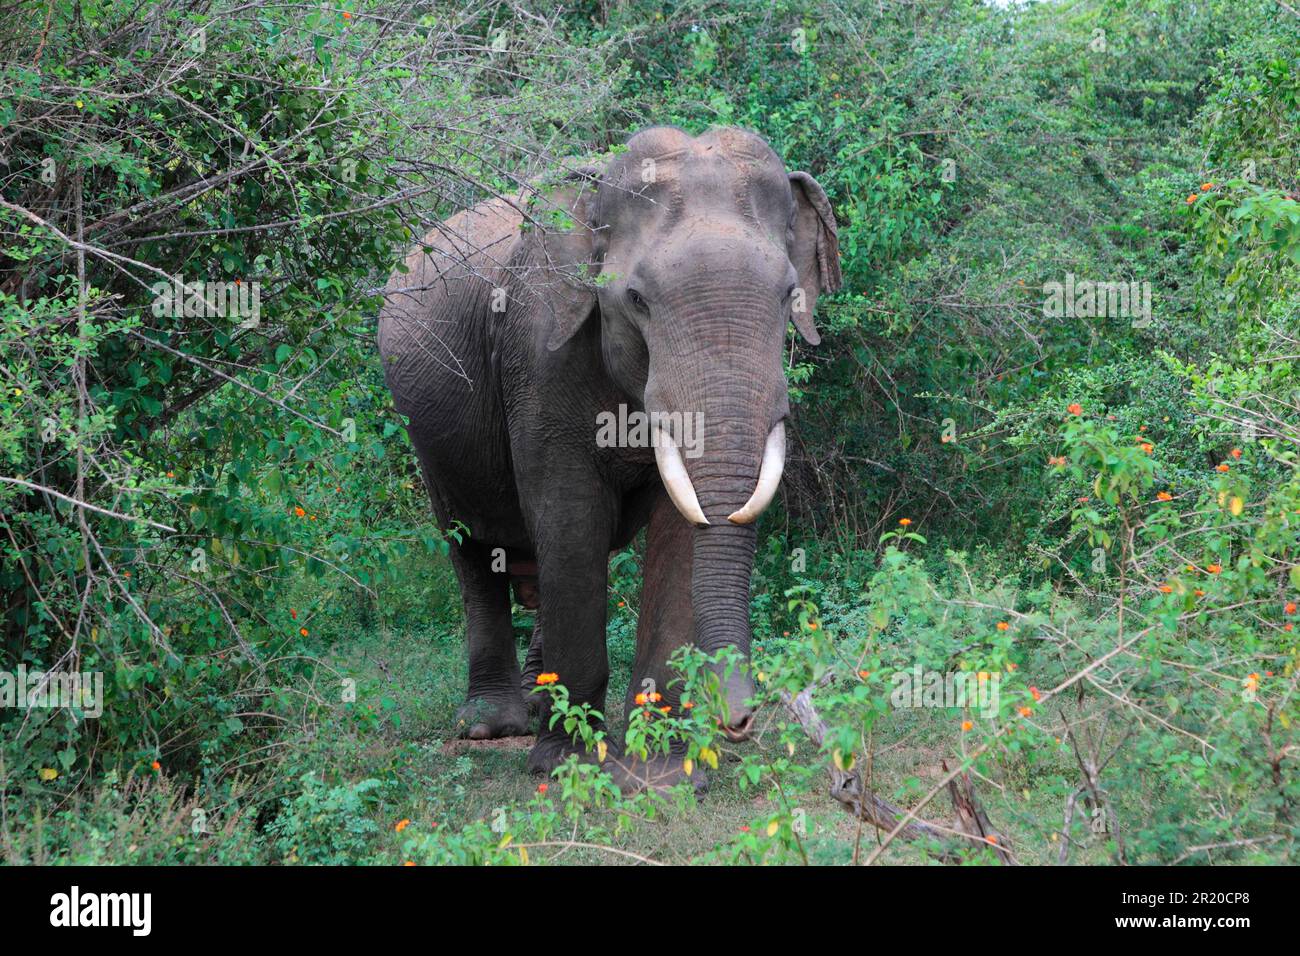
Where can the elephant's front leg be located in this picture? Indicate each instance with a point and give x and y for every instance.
(666, 622)
(572, 539)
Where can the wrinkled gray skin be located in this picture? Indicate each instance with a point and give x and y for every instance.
(696, 274)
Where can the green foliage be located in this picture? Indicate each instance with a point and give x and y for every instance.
(1095, 514)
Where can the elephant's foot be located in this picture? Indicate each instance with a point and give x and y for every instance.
(551, 750)
(533, 703)
(489, 717)
(658, 772)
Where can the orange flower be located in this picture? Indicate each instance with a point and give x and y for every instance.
(1235, 453)
(991, 838)
(1035, 693)
(1166, 589)
(541, 788)
(1074, 408)
(302, 631)
(543, 679)
(905, 521)
(1214, 568)
(966, 725)
(1164, 496)
(656, 697)
(1003, 626)
(687, 706)
(346, 15)
(1025, 711)
(640, 700)
(1012, 666)
(1288, 626)
(298, 510)
(864, 674)
(1084, 500)
(1199, 593)
(1222, 466)
(1206, 187)
(1290, 607)
(156, 765)
(812, 625)
(664, 710)
(171, 474)
(1191, 199)
(402, 825)
(983, 676)
(409, 863)
(1057, 460)
(785, 633)
(1147, 447)
(622, 603)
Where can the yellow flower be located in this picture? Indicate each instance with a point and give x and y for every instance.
(544, 679)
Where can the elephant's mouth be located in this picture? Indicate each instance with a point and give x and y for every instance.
(739, 731)
(682, 492)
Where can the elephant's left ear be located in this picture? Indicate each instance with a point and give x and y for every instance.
(814, 250)
(559, 269)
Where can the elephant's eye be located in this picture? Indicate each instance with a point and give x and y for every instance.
(636, 298)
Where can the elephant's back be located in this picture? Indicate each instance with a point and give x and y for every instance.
(433, 326)
(435, 344)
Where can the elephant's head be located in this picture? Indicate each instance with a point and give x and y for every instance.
(701, 251)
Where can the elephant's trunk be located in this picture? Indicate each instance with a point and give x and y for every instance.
(720, 359)
(723, 561)
(733, 481)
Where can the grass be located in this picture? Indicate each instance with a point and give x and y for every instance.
(337, 792)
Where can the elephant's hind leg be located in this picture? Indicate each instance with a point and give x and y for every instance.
(494, 705)
(532, 669)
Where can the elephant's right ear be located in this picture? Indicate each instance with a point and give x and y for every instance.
(558, 266)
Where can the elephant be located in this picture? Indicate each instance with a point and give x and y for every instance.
(655, 286)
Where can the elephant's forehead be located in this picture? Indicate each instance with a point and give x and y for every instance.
(674, 184)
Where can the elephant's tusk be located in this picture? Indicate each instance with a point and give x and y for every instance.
(769, 476)
(676, 480)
